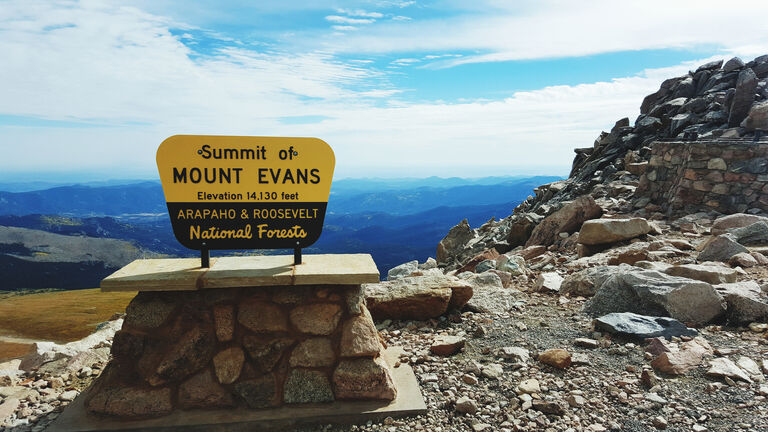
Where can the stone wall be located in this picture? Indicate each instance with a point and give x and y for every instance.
(726, 175)
(242, 347)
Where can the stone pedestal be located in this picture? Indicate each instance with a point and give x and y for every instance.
(242, 345)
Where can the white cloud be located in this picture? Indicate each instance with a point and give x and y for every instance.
(347, 20)
(343, 28)
(545, 29)
(124, 68)
(359, 13)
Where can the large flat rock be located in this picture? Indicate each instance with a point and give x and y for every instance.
(185, 274)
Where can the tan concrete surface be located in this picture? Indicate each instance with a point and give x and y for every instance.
(185, 274)
(409, 402)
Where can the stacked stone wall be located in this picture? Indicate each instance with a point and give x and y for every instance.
(255, 348)
(684, 177)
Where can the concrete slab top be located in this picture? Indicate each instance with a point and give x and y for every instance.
(185, 274)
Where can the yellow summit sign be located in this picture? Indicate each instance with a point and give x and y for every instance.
(234, 192)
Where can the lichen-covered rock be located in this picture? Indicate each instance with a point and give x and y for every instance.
(313, 352)
(260, 316)
(316, 319)
(131, 402)
(307, 386)
(258, 392)
(149, 310)
(265, 353)
(363, 378)
(224, 319)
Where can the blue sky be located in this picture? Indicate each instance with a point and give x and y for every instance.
(398, 88)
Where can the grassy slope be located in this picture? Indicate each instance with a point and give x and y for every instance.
(59, 316)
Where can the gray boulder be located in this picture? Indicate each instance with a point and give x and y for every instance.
(713, 273)
(488, 292)
(641, 326)
(653, 293)
(721, 248)
(733, 64)
(757, 118)
(403, 270)
(753, 235)
(568, 219)
(586, 282)
(746, 85)
(747, 303)
(723, 224)
(605, 231)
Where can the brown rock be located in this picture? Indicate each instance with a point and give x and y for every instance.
(549, 407)
(228, 364)
(744, 260)
(461, 293)
(265, 353)
(262, 317)
(445, 345)
(363, 378)
(488, 254)
(313, 352)
(648, 378)
(258, 392)
(453, 242)
(603, 231)
(202, 391)
(359, 337)
(688, 357)
(420, 297)
(723, 367)
(568, 219)
(131, 402)
(532, 252)
(558, 358)
(317, 319)
(738, 220)
(224, 318)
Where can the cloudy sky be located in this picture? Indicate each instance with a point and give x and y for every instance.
(398, 88)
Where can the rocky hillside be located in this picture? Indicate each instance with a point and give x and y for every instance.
(38, 259)
(716, 101)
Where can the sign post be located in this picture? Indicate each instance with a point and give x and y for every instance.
(235, 192)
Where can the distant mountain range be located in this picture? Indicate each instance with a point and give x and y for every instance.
(394, 220)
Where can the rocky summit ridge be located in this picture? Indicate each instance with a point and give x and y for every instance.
(632, 296)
